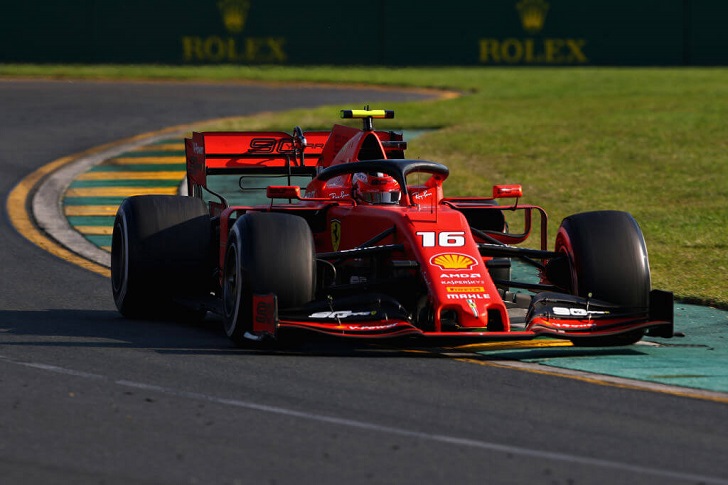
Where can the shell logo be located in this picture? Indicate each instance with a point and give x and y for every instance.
(453, 261)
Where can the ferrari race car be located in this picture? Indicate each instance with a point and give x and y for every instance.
(337, 232)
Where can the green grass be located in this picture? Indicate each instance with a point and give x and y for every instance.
(653, 142)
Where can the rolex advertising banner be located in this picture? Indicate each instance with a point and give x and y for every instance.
(395, 33)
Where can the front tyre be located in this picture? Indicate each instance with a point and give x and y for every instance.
(608, 261)
(266, 253)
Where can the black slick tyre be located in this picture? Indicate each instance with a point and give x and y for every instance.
(608, 261)
(160, 256)
(266, 253)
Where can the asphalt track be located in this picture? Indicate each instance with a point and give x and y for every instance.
(91, 398)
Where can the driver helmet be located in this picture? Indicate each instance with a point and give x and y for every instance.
(376, 188)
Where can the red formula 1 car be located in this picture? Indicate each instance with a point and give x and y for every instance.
(337, 232)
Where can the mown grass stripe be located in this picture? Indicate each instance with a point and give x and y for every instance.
(99, 240)
(127, 175)
(119, 191)
(127, 183)
(166, 141)
(91, 220)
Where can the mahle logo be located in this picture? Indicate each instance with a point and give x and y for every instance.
(533, 14)
(234, 13)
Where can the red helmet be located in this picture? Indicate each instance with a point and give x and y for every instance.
(376, 188)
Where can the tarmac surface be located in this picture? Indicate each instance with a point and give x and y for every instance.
(90, 397)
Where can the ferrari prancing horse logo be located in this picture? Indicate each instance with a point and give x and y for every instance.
(335, 234)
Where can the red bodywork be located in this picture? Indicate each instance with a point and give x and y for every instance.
(427, 240)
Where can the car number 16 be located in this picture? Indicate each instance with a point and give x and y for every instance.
(445, 239)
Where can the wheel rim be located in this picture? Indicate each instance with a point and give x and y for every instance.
(231, 288)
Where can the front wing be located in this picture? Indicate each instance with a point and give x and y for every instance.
(549, 315)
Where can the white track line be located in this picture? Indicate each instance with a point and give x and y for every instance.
(369, 426)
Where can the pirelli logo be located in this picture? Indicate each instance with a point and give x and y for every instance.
(465, 289)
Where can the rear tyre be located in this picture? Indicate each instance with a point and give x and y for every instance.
(608, 261)
(161, 256)
(266, 253)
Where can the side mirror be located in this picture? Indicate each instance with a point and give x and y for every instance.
(503, 191)
(283, 192)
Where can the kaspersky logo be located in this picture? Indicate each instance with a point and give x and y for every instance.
(533, 14)
(234, 14)
(536, 49)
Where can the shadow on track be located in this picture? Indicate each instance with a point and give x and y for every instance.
(108, 329)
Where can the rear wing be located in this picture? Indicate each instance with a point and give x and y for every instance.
(251, 152)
